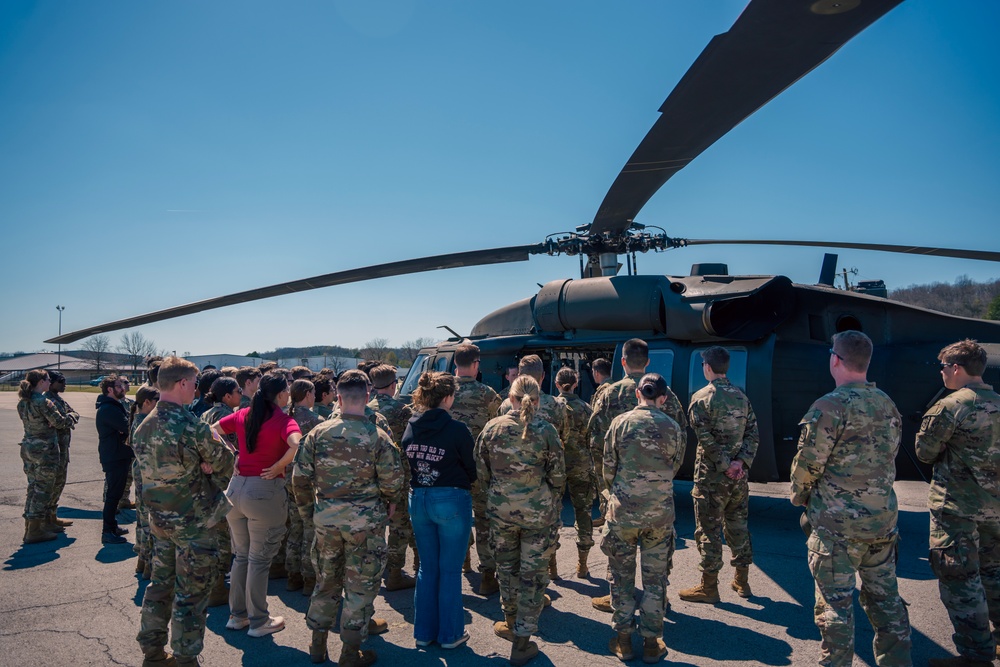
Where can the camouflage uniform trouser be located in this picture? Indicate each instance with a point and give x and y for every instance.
(61, 471)
(599, 484)
(294, 553)
(400, 532)
(522, 558)
(580, 484)
(184, 571)
(352, 562)
(834, 564)
(129, 483)
(305, 504)
(721, 505)
(143, 538)
(965, 557)
(41, 466)
(481, 522)
(620, 545)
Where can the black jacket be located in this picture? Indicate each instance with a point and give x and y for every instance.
(112, 431)
(439, 449)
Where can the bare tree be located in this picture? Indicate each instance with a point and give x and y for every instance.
(136, 347)
(376, 349)
(98, 352)
(408, 352)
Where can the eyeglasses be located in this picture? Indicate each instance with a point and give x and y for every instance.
(835, 354)
(945, 364)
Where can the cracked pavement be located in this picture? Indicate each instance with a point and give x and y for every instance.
(75, 601)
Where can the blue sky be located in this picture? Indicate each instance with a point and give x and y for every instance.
(153, 154)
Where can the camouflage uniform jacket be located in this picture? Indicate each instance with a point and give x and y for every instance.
(846, 464)
(549, 409)
(170, 445)
(376, 418)
(244, 401)
(214, 414)
(578, 455)
(642, 452)
(65, 410)
(306, 419)
(324, 411)
(619, 398)
(395, 412)
(726, 427)
(960, 435)
(355, 470)
(475, 404)
(42, 419)
(601, 389)
(524, 478)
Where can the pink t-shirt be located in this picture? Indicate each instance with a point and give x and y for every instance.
(272, 440)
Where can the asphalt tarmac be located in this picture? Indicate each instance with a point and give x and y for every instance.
(74, 601)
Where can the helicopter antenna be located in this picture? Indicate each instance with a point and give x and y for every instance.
(853, 271)
(450, 330)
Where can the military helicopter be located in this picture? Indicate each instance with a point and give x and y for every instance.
(777, 331)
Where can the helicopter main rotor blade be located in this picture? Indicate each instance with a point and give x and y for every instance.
(451, 261)
(983, 255)
(772, 44)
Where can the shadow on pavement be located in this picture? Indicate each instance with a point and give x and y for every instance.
(115, 553)
(33, 555)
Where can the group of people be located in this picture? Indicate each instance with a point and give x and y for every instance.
(324, 466)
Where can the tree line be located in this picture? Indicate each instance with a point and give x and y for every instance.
(965, 297)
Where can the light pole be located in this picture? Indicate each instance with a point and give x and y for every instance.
(59, 362)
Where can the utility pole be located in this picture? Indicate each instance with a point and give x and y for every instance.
(59, 358)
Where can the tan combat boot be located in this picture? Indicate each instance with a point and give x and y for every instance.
(308, 584)
(653, 650)
(602, 603)
(553, 568)
(56, 521)
(377, 626)
(522, 652)
(317, 648)
(582, 571)
(467, 564)
(147, 572)
(294, 582)
(397, 580)
(621, 645)
(49, 523)
(598, 522)
(488, 584)
(277, 571)
(36, 532)
(220, 594)
(740, 583)
(140, 565)
(351, 655)
(505, 628)
(706, 591)
(158, 658)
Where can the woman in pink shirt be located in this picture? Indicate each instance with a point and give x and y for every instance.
(268, 439)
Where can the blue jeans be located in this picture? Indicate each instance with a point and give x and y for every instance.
(442, 521)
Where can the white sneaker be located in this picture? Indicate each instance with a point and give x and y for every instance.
(274, 624)
(458, 642)
(237, 623)
(423, 643)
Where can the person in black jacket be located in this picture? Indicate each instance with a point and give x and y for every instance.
(442, 470)
(116, 456)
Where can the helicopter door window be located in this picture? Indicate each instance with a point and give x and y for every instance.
(442, 363)
(662, 362)
(418, 368)
(737, 370)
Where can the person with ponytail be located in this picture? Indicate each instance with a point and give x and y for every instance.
(40, 454)
(442, 470)
(268, 439)
(145, 400)
(522, 466)
(298, 563)
(643, 449)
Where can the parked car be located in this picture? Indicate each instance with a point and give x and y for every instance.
(97, 381)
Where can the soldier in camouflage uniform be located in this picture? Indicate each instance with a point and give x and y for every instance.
(325, 395)
(39, 452)
(355, 470)
(580, 475)
(510, 375)
(297, 550)
(726, 427)
(601, 370)
(397, 413)
(145, 400)
(179, 458)
(57, 386)
(519, 459)
(248, 378)
(475, 405)
(225, 396)
(618, 398)
(843, 475)
(643, 449)
(960, 435)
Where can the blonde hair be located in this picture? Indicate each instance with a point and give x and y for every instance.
(29, 383)
(432, 388)
(523, 387)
